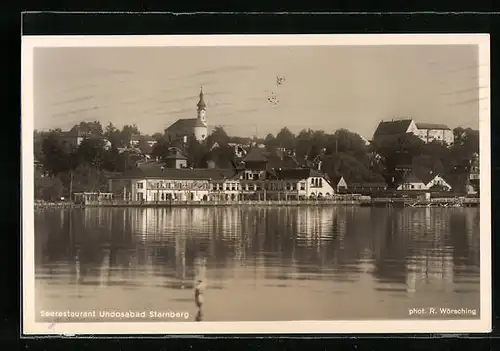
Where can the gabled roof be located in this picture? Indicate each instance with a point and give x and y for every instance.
(256, 155)
(294, 174)
(432, 126)
(428, 178)
(393, 127)
(185, 124)
(176, 155)
(336, 180)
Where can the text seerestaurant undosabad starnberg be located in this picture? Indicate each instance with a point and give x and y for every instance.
(114, 314)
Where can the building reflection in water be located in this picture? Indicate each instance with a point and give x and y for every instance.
(403, 251)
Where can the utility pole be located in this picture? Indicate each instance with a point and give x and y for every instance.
(71, 185)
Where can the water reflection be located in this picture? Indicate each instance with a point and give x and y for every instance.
(259, 263)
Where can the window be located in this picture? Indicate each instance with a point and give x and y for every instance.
(140, 185)
(412, 186)
(312, 181)
(203, 136)
(320, 182)
(302, 186)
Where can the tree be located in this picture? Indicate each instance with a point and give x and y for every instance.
(161, 149)
(49, 188)
(57, 155)
(196, 152)
(157, 136)
(113, 135)
(218, 136)
(94, 128)
(92, 152)
(285, 139)
(127, 132)
(346, 141)
(144, 146)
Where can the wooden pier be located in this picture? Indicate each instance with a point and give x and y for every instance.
(433, 202)
(335, 201)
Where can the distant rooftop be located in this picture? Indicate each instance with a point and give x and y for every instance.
(393, 127)
(432, 126)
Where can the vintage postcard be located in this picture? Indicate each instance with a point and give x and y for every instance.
(256, 184)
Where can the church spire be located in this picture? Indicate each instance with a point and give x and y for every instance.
(201, 104)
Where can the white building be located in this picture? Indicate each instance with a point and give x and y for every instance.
(437, 182)
(411, 182)
(427, 132)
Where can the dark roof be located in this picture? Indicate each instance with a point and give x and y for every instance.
(432, 126)
(185, 124)
(368, 184)
(156, 171)
(277, 161)
(294, 173)
(411, 178)
(176, 155)
(256, 155)
(393, 127)
(199, 123)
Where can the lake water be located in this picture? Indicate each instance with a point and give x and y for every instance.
(261, 263)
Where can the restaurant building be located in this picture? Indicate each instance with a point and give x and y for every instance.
(254, 180)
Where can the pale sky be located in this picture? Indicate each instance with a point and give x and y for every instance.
(326, 87)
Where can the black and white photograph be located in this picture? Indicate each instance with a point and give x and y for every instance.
(256, 184)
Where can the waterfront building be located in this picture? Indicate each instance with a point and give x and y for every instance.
(299, 183)
(411, 182)
(173, 181)
(156, 183)
(185, 128)
(472, 185)
(427, 132)
(436, 182)
(366, 188)
(340, 184)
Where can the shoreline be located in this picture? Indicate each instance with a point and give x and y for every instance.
(375, 202)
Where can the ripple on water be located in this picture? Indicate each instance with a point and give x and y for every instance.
(358, 256)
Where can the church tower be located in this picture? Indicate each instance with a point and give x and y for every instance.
(200, 127)
(202, 108)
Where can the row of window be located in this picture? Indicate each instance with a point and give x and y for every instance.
(315, 182)
(257, 186)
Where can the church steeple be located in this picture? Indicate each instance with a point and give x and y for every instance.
(201, 104)
(202, 108)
